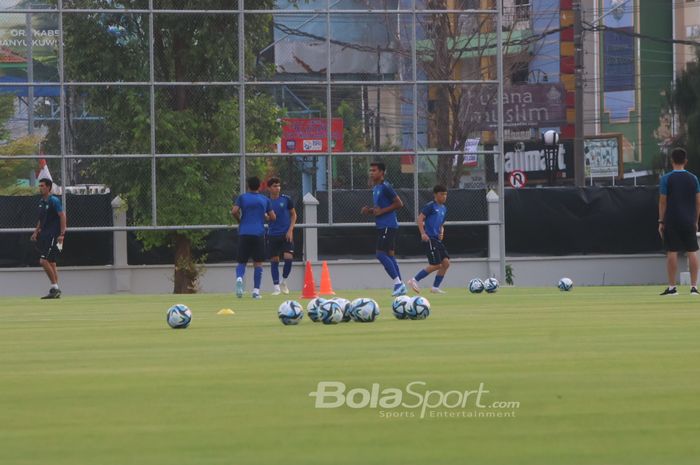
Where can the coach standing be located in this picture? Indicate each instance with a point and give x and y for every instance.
(49, 232)
(679, 209)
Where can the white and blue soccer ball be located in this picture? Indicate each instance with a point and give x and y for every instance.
(565, 284)
(418, 308)
(330, 313)
(491, 285)
(290, 312)
(476, 286)
(179, 316)
(312, 308)
(399, 307)
(345, 307)
(364, 310)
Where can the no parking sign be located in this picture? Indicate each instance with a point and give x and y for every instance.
(517, 179)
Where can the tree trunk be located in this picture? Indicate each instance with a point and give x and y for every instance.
(444, 165)
(185, 275)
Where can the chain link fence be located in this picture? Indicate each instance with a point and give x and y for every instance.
(171, 104)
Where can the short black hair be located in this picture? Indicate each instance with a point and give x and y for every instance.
(380, 166)
(273, 180)
(46, 181)
(253, 183)
(439, 188)
(679, 156)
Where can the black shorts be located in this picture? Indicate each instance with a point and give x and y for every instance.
(386, 239)
(48, 249)
(251, 247)
(435, 251)
(680, 239)
(278, 245)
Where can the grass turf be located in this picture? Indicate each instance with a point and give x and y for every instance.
(603, 376)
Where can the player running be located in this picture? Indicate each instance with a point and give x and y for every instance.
(386, 202)
(431, 226)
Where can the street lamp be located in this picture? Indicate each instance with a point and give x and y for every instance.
(550, 139)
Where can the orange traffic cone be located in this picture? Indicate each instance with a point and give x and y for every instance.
(309, 291)
(326, 286)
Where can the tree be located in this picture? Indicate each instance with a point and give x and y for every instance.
(460, 47)
(11, 170)
(684, 101)
(188, 119)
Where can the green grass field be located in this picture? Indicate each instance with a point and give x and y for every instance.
(603, 376)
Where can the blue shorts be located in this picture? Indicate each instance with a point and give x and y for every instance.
(386, 239)
(435, 251)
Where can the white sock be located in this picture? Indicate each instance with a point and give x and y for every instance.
(277, 287)
(256, 291)
(54, 286)
(397, 280)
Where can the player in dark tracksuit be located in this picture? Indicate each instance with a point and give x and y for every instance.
(49, 233)
(679, 208)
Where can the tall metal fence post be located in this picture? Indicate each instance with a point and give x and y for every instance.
(494, 234)
(310, 234)
(121, 277)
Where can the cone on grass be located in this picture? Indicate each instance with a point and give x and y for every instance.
(309, 291)
(326, 286)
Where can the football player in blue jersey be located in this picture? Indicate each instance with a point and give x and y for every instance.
(251, 210)
(280, 235)
(431, 227)
(386, 202)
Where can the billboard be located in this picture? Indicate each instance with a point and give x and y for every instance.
(524, 106)
(310, 135)
(603, 156)
(529, 157)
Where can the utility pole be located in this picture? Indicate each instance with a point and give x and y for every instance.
(579, 165)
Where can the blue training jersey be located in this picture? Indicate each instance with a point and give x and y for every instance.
(49, 221)
(434, 218)
(282, 206)
(383, 195)
(253, 207)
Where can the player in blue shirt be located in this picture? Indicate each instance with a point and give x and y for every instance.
(386, 202)
(49, 233)
(280, 235)
(430, 224)
(251, 210)
(679, 209)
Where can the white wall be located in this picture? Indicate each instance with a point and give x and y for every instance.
(345, 274)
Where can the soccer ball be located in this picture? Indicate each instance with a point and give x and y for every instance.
(418, 308)
(290, 312)
(312, 308)
(330, 313)
(476, 286)
(345, 307)
(179, 316)
(364, 310)
(565, 284)
(491, 285)
(400, 307)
